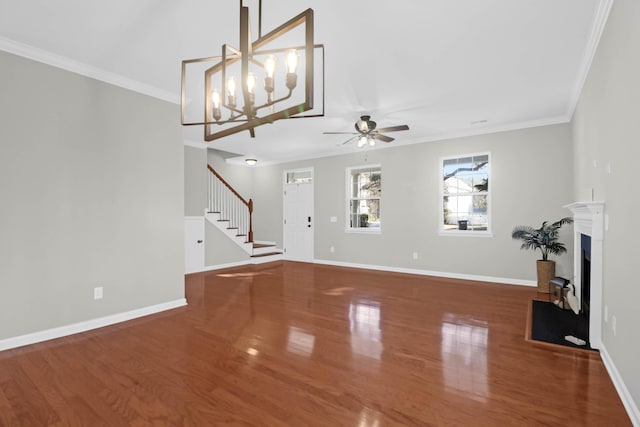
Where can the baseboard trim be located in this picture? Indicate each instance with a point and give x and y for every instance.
(250, 261)
(222, 266)
(88, 325)
(621, 388)
(473, 277)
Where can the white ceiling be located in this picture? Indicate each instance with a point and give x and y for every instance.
(436, 65)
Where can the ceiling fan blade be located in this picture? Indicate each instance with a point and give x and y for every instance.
(339, 133)
(349, 140)
(381, 137)
(394, 128)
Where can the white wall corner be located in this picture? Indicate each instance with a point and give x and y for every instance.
(599, 21)
(196, 144)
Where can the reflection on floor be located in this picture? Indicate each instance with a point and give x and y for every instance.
(297, 344)
(464, 355)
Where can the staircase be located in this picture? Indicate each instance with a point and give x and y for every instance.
(232, 214)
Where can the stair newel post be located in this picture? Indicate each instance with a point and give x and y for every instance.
(250, 234)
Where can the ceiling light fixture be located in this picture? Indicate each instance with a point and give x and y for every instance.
(478, 122)
(224, 94)
(251, 162)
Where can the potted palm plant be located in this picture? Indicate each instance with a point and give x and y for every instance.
(545, 238)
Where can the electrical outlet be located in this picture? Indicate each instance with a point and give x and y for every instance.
(332, 249)
(333, 219)
(613, 325)
(415, 255)
(606, 313)
(97, 292)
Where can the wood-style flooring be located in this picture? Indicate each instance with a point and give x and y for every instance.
(295, 344)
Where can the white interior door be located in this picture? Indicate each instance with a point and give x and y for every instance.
(193, 244)
(298, 215)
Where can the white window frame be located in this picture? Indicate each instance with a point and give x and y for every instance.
(348, 198)
(466, 233)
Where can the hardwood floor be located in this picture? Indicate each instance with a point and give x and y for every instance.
(294, 344)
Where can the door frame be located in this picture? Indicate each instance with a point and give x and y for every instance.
(284, 208)
(195, 222)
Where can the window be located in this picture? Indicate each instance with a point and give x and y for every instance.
(465, 194)
(299, 177)
(364, 191)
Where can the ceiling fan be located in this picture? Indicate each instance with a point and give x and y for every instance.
(367, 132)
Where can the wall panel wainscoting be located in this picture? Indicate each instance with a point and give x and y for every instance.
(293, 344)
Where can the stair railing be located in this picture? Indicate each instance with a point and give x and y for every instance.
(231, 206)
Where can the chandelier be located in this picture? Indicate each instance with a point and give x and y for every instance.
(271, 78)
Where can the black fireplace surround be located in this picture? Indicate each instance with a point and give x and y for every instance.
(585, 270)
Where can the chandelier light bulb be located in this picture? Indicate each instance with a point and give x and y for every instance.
(231, 86)
(251, 82)
(269, 68)
(215, 98)
(215, 105)
(270, 65)
(292, 61)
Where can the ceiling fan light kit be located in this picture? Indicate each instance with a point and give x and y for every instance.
(367, 134)
(223, 93)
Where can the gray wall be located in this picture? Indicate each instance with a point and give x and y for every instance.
(606, 132)
(195, 181)
(220, 249)
(91, 184)
(531, 178)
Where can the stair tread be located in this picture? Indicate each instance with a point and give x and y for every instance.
(263, 245)
(266, 254)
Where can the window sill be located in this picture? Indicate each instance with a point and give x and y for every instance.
(465, 233)
(364, 230)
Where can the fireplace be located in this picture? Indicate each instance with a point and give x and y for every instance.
(587, 264)
(585, 277)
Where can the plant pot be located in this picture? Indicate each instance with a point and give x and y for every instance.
(546, 272)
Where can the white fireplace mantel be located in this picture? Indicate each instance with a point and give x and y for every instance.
(589, 216)
(588, 219)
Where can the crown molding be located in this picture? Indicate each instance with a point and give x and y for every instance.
(444, 136)
(58, 61)
(599, 21)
